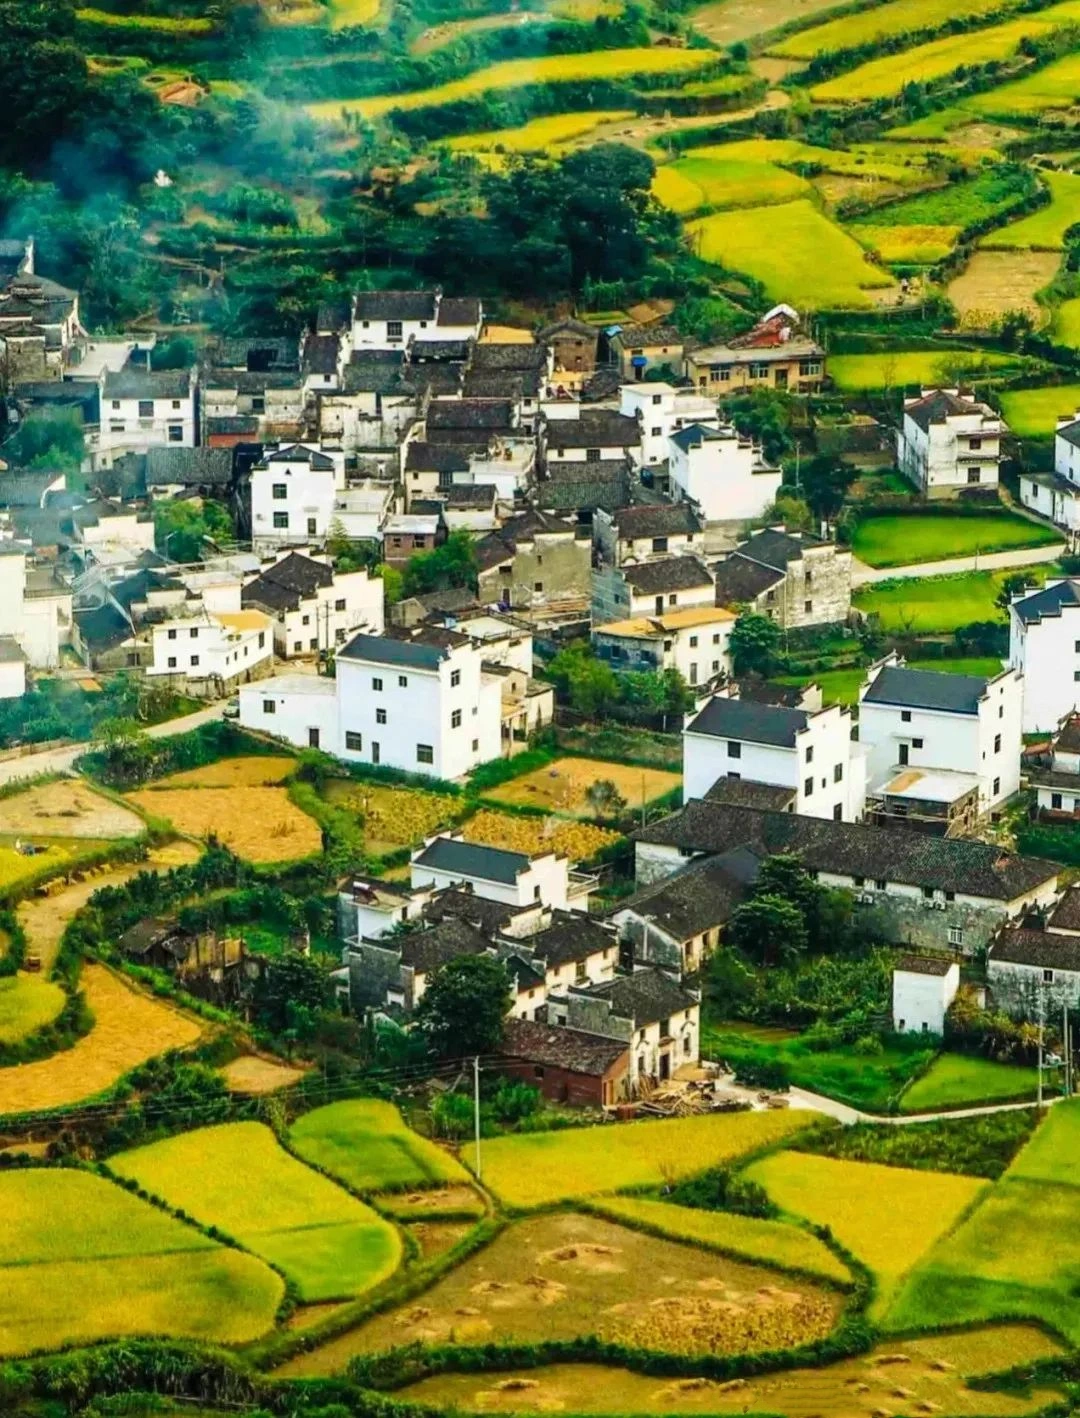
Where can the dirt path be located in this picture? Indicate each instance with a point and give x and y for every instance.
(129, 1028)
(44, 918)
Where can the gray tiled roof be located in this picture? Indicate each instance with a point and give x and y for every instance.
(753, 723)
(1047, 602)
(1046, 950)
(671, 573)
(927, 689)
(422, 653)
(473, 859)
(698, 898)
(644, 997)
(554, 1046)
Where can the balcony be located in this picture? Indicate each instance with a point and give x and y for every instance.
(579, 884)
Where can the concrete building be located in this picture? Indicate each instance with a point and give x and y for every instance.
(812, 753)
(386, 320)
(212, 652)
(637, 349)
(796, 579)
(948, 444)
(294, 490)
(1044, 648)
(511, 878)
(722, 473)
(775, 354)
(925, 893)
(595, 436)
(694, 642)
(1056, 495)
(1057, 783)
(35, 615)
(961, 731)
(646, 531)
(313, 609)
(662, 410)
(141, 409)
(534, 560)
(923, 988)
(651, 588)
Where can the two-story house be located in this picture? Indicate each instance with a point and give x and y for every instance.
(651, 588)
(949, 443)
(512, 878)
(1044, 648)
(659, 1019)
(1056, 495)
(141, 408)
(662, 410)
(390, 319)
(212, 652)
(636, 349)
(812, 753)
(722, 473)
(775, 354)
(694, 642)
(647, 530)
(1057, 782)
(313, 608)
(794, 578)
(534, 560)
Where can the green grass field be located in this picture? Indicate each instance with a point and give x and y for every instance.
(365, 1144)
(83, 1260)
(745, 1237)
(693, 183)
(791, 248)
(513, 73)
(888, 1217)
(238, 1178)
(901, 541)
(928, 604)
(903, 368)
(1055, 86)
(536, 1169)
(958, 205)
(27, 1004)
(957, 1081)
(900, 17)
(1043, 230)
(1066, 325)
(1032, 413)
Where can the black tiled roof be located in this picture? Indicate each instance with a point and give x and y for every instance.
(516, 357)
(554, 1046)
(672, 573)
(473, 859)
(927, 689)
(456, 350)
(1047, 602)
(189, 467)
(281, 587)
(698, 898)
(739, 579)
(488, 916)
(395, 305)
(445, 415)
(937, 406)
(776, 549)
(131, 383)
(1046, 950)
(102, 629)
(321, 354)
(657, 519)
(425, 652)
(459, 310)
(643, 997)
(594, 428)
(297, 453)
(423, 457)
(936, 965)
(770, 724)
(1066, 914)
(426, 950)
(747, 792)
(570, 937)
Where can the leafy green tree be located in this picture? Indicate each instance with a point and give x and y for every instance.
(768, 930)
(43, 76)
(292, 989)
(464, 1005)
(583, 680)
(754, 642)
(126, 748)
(1011, 586)
(181, 529)
(47, 440)
(452, 564)
(392, 583)
(824, 481)
(604, 798)
(826, 914)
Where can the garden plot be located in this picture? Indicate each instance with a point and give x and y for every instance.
(996, 282)
(561, 786)
(252, 1076)
(406, 1206)
(331, 1245)
(919, 1377)
(260, 824)
(796, 253)
(435, 1238)
(578, 841)
(901, 541)
(562, 1276)
(365, 1144)
(1032, 413)
(513, 73)
(394, 817)
(68, 808)
(536, 1169)
(854, 1199)
(129, 1028)
(82, 1260)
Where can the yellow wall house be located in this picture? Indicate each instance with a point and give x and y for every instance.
(775, 354)
(693, 641)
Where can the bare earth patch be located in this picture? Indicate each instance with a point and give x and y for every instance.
(996, 282)
(561, 786)
(435, 1238)
(68, 808)
(261, 824)
(726, 21)
(251, 1075)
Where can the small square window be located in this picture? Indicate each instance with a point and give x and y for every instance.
(1048, 977)
(195, 633)
(339, 604)
(734, 750)
(380, 716)
(905, 716)
(354, 742)
(146, 408)
(171, 634)
(838, 813)
(194, 659)
(916, 743)
(376, 684)
(425, 753)
(538, 586)
(808, 787)
(281, 521)
(172, 662)
(269, 706)
(693, 642)
(956, 935)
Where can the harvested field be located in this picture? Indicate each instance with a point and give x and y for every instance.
(44, 917)
(580, 841)
(539, 135)
(330, 1244)
(253, 1076)
(535, 1169)
(931, 1372)
(83, 1260)
(852, 1197)
(129, 1028)
(726, 21)
(445, 1201)
(365, 1144)
(435, 1238)
(261, 824)
(562, 785)
(249, 771)
(68, 808)
(996, 282)
(394, 817)
(564, 1275)
(27, 1004)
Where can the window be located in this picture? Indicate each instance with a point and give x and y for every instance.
(117, 427)
(116, 403)
(950, 896)
(928, 893)
(759, 371)
(956, 935)
(311, 526)
(176, 433)
(905, 716)
(305, 620)
(425, 753)
(455, 678)
(657, 431)
(298, 645)
(808, 368)
(592, 455)
(858, 880)
(455, 719)
(672, 600)
(476, 745)
(808, 607)
(808, 787)
(172, 662)
(146, 408)
(997, 743)
(194, 633)
(339, 604)
(974, 475)
(916, 743)
(838, 773)
(171, 634)
(716, 667)
(380, 716)
(659, 543)
(194, 660)
(879, 885)
(403, 681)
(734, 750)
(281, 521)
(376, 684)
(269, 706)
(693, 642)
(997, 787)
(1055, 800)
(656, 398)
(974, 443)
(838, 813)
(1048, 977)
(258, 403)
(393, 329)
(280, 492)
(538, 586)
(354, 742)
(716, 638)
(810, 753)
(693, 673)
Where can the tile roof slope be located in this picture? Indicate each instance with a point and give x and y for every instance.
(672, 573)
(1047, 602)
(697, 898)
(130, 383)
(644, 997)
(297, 453)
(649, 335)
(939, 405)
(424, 652)
(855, 849)
(500, 384)
(426, 950)
(1066, 914)
(739, 579)
(755, 723)
(570, 937)
(927, 689)
(321, 354)
(287, 582)
(693, 435)
(459, 310)
(555, 1046)
(448, 416)
(657, 519)
(937, 965)
(394, 305)
(473, 859)
(424, 457)
(486, 915)
(513, 357)
(747, 792)
(776, 548)
(189, 466)
(594, 428)
(1047, 950)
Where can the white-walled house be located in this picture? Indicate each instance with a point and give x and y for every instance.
(301, 709)
(389, 320)
(498, 875)
(315, 609)
(947, 443)
(1056, 495)
(1044, 647)
(693, 641)
(662, 410)
(658, 1017)
(293, 494)
(812, 753)
(1057, 785)
(923, 988)
(649, 588)
(647, 530)
(212, 652)
(35, 617)
(724, 474)
(142, 409)
(931, 722)
(12, 668)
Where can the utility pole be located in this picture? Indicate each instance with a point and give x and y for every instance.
(476, 1108)
(1042, 1014)
(1066, 1049)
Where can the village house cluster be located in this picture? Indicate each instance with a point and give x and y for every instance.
(606, 497)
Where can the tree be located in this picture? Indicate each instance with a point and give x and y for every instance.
(824, 481)
(126, 748)
(464, 1005)
(1011, 586)
(292, 989)
(604, 798)
(754, 641)
(452, 564)
(583, 680)
(181, 529)
(769, 930)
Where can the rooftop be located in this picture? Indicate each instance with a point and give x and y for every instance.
(746, 792)
(317, 686)
(936, 965)
(725, 718)
(1048, 602)
(657, 519)
(938, 405)
(570, 937)
(776, 547)
(554, 1046)
(1043, 950)
(698, 898)
(671, 573)
(927, 689)
(648, 627)
(472, 859)
(594, 428)
(740, 579)
(426, 949)
(395, 305)
(935, 785)
(420, 649)
(643, 997)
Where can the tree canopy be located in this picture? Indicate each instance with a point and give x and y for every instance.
(463, 1007)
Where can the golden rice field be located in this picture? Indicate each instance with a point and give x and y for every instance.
(561, 786)
(331, 1245)
(745, 1237)
(562, 1276)
(129, 1028)
(539, 134)
(852, 1198)
(536, 1169)
(82, 1260)
(344, 13)
(1044, 229)
(694, 183)
(16, 869)
(152, 24)
(27, 1004)
(513, 73)
(869, 26)
(365, 1144)
(796, 252)
(261, 824)
(394, 817)
(248, 771)
(907, 245)
(579, 841)
(887, 162)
